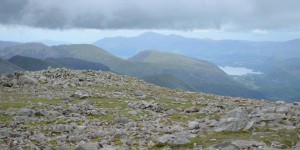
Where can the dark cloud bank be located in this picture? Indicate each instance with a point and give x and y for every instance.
(153, 14)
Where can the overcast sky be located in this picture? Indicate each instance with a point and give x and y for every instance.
(85, 21)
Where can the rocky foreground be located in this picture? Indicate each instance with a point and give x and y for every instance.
(87, 110)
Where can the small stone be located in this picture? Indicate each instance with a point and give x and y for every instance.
(87, 146)
(122, 120)
(86, 102)
(25, 112)
(139, 93)
(223, 146)
(181, 140)
(165, 139)
(276, 144)
(193, 125)
(25, 79)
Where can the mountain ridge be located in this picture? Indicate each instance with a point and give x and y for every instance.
(199, 75)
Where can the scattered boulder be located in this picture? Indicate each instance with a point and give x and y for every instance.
(86, 102)
(146, 105)
(25, 112)
(297, 146)
(139, 93)
(122, 120)
(173, 139)
(191, 110)
(25, 79)
(193, 125)
(242, 144)
(87, 146)
(224, 146)
(276, 144)
(235, 120)
(80, 94)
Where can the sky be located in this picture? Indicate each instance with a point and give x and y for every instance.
(85, 21)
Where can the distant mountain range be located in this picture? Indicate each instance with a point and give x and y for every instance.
(221, 52)
(190, 73)
(4, 44)
(174, 61)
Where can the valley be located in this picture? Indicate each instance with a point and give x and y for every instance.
(262, 77)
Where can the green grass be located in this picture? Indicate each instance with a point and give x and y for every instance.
(5, 118)
(284, 136)
(186, 117)
(287, 137)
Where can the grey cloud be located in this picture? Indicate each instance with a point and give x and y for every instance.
(153, 14)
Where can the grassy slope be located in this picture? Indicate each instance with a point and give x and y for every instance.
(197, 74)
(7, 67)
(32, 64)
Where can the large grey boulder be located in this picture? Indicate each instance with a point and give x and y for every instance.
(173, 139)
(181, 140)
(25, 112)
(80, 94)
(242, 144)
(224, 146)
(121, 120)
(235, 120)
(25, 79)
(193, 125)
(297, 146)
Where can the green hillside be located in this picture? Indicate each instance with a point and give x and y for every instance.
(32, 64)
(199, 75)
(7, 67)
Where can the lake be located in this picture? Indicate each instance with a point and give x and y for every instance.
(237, 70)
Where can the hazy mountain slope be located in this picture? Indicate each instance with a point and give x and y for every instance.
(4, 44)
(7, 67)
(36, 50)
(80, 51)
(199, 75)
(223, 52)
(32, 64)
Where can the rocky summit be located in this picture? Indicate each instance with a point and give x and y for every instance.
(89, 110)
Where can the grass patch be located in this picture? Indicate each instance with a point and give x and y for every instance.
(4, 118)
(284, 136)
(186, 117)
(109, 103)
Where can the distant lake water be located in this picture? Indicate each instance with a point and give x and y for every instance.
(237, 70)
